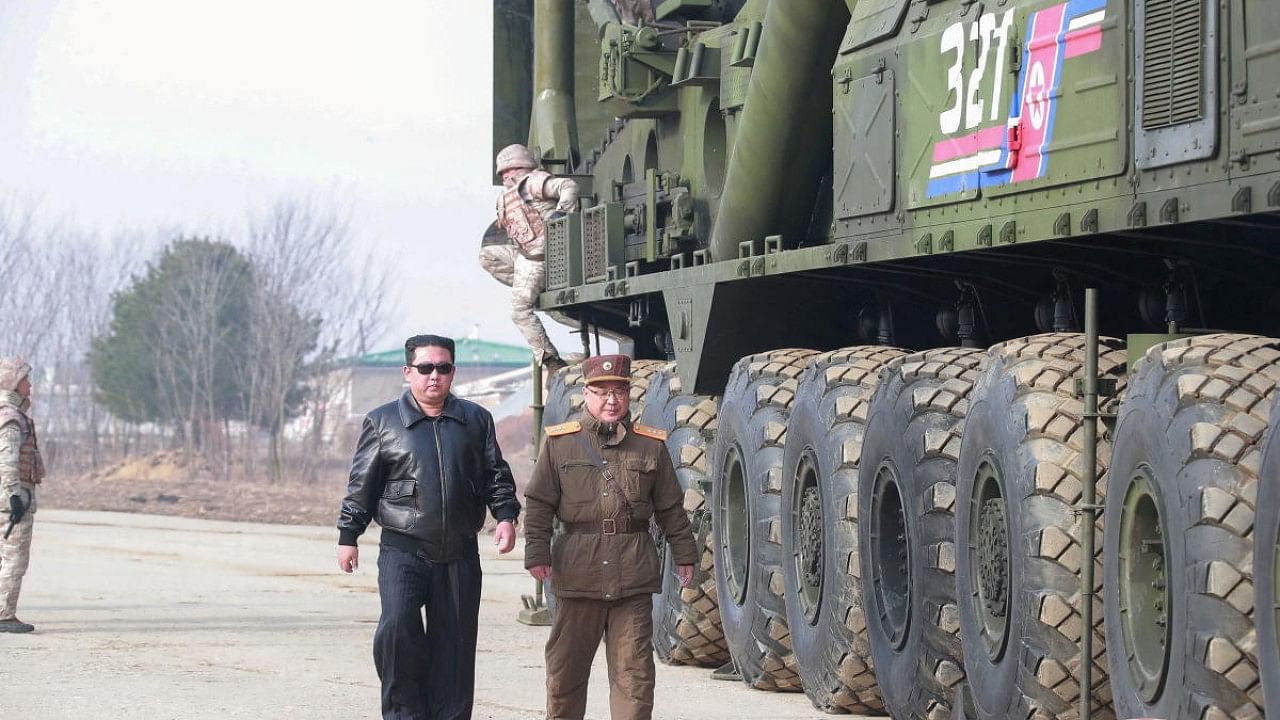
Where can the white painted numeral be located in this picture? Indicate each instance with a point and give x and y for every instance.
(1001, 33)
(987, 31)
(953, 39)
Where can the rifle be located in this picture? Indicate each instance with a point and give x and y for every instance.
(16, 510)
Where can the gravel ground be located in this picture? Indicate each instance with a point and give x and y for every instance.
(174, 618)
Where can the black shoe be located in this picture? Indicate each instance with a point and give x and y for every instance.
(15, 626)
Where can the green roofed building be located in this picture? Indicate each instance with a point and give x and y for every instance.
(478, 357)
(375, 378)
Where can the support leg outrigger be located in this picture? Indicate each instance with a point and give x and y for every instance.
(535, 610)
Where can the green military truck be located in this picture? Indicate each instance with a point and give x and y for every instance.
(848, 244)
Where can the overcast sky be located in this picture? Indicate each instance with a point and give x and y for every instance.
(146, 114)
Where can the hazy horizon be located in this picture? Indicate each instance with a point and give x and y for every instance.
(152, 116)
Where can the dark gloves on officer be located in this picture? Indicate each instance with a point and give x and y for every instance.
(17, 509)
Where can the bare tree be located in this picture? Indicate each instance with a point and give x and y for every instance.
(311, 305)
(31, 285)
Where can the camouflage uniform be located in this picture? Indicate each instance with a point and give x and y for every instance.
(21, 469)
(500, 262)
(527, 201)
(635, 12)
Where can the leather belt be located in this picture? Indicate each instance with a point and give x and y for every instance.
(608, 526)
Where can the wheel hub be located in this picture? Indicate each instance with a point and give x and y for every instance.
(735, 536)
(1275, 591)
(891, 557)
(807, 538)
(993, 556)
(1145, 599)
(989, 555)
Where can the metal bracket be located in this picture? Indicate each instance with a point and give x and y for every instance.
(535, 610)
(1138, 215)
(1242, 202)
(1089, 223)
(639, 311)
(1106, 388)
(1009, 232)
(1062, 226)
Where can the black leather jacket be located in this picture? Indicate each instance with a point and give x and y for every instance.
(427, 478)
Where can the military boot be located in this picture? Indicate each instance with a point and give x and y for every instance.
(14, 625)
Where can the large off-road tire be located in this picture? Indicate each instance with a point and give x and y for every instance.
(1018, 558)
(1266, 553)
(820, 528)
(1179, 535)
(686, 621)
(564, 397)
(906, 528)
(562, 403)
(643, 373)
(746, 505)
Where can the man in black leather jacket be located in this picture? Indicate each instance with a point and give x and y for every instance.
(425, 468)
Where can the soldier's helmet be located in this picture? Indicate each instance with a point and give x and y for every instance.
(514, 157)
(12, 370)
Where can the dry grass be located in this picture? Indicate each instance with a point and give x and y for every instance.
(164, 483)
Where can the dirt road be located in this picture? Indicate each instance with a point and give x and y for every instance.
(156, 617)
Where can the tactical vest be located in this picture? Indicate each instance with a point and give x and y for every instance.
(30, 465)
(522, 221)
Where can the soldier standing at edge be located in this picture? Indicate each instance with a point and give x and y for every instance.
(604, 477)
(21, 469)
(529, 198)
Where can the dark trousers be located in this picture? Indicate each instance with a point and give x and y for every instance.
(427, 673)
(627, 628)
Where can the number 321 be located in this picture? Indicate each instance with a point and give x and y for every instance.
(969, 106)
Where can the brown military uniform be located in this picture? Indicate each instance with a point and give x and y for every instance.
(605, 566)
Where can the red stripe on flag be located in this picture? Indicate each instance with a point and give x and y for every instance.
(1082, 41)
(1037, 90)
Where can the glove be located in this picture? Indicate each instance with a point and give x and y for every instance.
(17, 509)
(556, 214)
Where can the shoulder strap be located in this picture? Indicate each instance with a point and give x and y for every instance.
(603, 467)
(534, 189)
(649, 432)
(572, 426)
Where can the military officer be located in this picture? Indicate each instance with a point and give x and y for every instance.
(530, 196)
(604, 477)
(21, 470)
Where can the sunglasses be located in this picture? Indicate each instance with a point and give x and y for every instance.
(428, 368)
